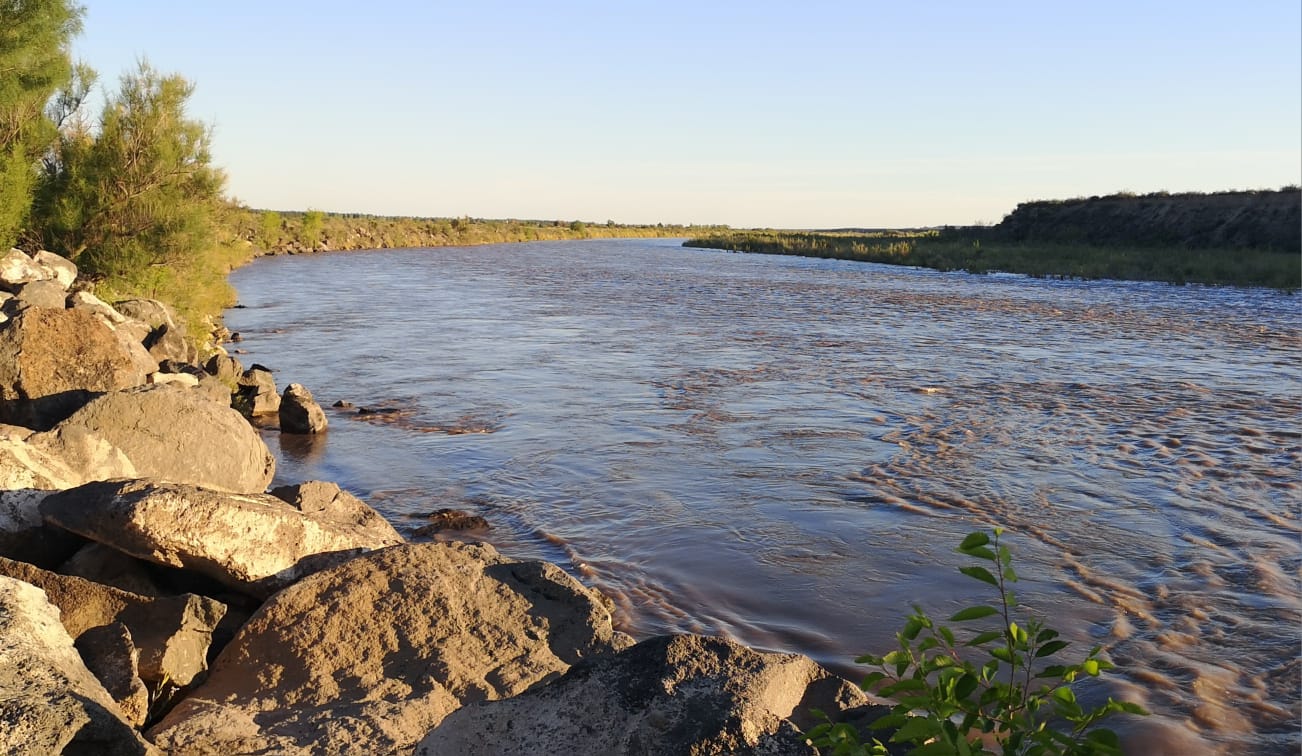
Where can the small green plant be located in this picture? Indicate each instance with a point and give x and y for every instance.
(1003, 702)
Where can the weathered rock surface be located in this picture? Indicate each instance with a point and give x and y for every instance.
(299, 412)
(50, 294)
(451, 519)
(667, 695)
(32, 465)
(84, 300)
(184, 380)
(328, 500)
(111, 656)
(255, 393)
(254, 543)
(172, 632)
(49, 702)
(16, 269)
(151, 312)
(167, 342)
(368, 656)
(52, 360)
(175, 434)
(224, 367)
(108, 566)
(61, 269)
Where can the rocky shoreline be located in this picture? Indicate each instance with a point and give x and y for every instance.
(155, 597)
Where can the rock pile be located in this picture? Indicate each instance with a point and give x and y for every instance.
(155, 598)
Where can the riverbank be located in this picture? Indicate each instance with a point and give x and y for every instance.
(1232, 238)
(155, 597)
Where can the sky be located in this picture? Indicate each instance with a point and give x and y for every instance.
(796, 114)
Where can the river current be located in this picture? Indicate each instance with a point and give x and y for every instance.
(786, 451)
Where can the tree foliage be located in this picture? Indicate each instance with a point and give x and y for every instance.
(139, 192)
(34, 64)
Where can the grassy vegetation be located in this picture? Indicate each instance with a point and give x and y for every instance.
(966, 249)
(274, 232)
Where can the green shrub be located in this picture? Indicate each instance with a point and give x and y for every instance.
(947, 703)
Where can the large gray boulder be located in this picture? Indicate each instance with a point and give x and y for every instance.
(49, 702)
(175, 434)
(674, 694)
(299, 412)
(254, 543)
(172, 633)
(368, 656)
(49, 294)
(16, 269)
(60, 269)
(52, 361)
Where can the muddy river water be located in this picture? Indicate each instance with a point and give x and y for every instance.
(786, 451)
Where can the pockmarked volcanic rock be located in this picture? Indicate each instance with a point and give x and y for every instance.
(49, 702)
(368, 656)
(254, 543)
(299, 412)
(172, 632)
(175, 434)
(52, 361)
(673, 694)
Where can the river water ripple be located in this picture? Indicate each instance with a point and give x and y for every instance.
(786, 451)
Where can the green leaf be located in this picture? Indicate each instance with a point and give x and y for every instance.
(983, 638)
(868, 659)
(965, 685)
(872, 679)
(973, 539)
(889, 721)
(1091, 667)
(1104, 737)
(911, 629)
(1046, 635)
(974, 612)
(902, 686)
(1065, 695)
(1002, 654)
(947, 634)
(980, 573)
(1051, 648)
(916, 729)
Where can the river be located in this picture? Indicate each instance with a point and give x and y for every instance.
(787, 450)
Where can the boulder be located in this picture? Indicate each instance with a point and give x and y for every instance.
(368, 656)
(254, 543)
(51, 361)
(84, 300)
(255, 393)
(215, 389)
(299, 412)
(451, 519)
(225, 368)
(151, 312)
(321, 498)
(16, 269)
(49, 702)
(175, 434)
(31, 466)
(167, 342)
(108, 566)
(48, 294)
(61, 269)
(110, 655)
(172, 632)
(667, 695)
(184, 380)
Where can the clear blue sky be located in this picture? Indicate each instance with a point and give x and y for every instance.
(786, 114)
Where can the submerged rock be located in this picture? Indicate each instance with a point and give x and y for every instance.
(368, 656)
(669, 695)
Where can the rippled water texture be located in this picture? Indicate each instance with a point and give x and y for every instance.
(787, 450)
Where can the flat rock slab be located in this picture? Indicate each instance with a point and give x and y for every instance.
(171, 433)
(172, 633)
(50, 703)
(254, 543)
(368, 656)
(670, 695)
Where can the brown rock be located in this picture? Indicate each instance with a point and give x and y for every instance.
(368, 656)
(172, 632)
(451, 519)
(255, 393)
(321, 498)
(299, 412)
(52, 360)
(49, 702)
(668, 695)
(110, 655)
(108, 566)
